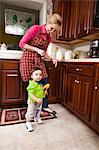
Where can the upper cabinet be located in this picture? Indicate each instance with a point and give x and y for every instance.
(77, 18)
(62, 7)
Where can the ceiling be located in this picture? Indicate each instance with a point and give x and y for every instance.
(31, 4)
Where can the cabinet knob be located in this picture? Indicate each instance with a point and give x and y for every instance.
(77, 81)
(78, 69)
(96, 88)
(49, 68)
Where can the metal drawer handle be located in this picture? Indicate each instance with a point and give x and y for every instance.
(96, 87)
(78, 69)
(75, 81)
(12, 75)
(78, 81)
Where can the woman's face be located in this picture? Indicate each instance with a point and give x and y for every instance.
(37, 75)
(51, 28)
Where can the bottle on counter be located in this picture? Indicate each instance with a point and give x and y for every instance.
(68, 54)
(59, 54)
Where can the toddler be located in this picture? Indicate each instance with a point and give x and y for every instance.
(35, 98)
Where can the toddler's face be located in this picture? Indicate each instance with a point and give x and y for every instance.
(37, 75)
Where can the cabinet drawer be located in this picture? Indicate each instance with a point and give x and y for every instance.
(87, 70)
(10, 65)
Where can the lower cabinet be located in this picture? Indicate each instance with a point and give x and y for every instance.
(95, 102)
(80, 81)
(76, 86)
(79, 95)
(95, 110)
(13, 91)
(79, 91)
(12, 86)
(63, 83)
(0, 82)
(53, 78)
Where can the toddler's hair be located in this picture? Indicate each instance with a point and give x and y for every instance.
(35, 68)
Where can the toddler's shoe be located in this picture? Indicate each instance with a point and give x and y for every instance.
(29, 126)
(38, 120)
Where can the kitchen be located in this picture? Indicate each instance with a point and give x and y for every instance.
(77, 84)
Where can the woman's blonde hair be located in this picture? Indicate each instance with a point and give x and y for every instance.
(55, 19)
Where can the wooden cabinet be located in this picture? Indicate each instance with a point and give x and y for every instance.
(79, 91)
(63, 8)
(53, 77)
(85, 17)
(13, 91)
(95, 102)
(79, 95)
(0, 81)
(77, 18)
(63, 83)
(80, 79)
(12, 86)
(73, 91)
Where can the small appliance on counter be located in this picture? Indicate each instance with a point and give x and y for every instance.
(94, 48)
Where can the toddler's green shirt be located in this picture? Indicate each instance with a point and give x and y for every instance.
(35, 89)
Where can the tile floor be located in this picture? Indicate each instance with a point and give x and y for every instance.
(63, 133)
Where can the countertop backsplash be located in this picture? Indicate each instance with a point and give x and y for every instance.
(82, 47)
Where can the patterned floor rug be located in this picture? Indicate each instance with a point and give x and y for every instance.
(17, 115)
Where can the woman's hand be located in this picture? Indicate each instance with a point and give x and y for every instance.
(54, 62)
(34, 49)
(41, 52)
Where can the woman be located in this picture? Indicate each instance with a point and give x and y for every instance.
(35, 43)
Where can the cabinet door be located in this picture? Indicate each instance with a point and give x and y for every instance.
(95, 103)
(63, 84)
(0, 81)
(84, 100)
(63, 8)
(73, 91)
(79, 95)
(86, 9)
(53, 77)
(11, 87)
(95, 109)
(77, 18)
(73, 20)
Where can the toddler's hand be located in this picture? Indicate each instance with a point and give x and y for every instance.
(46, 86)
(39, 101)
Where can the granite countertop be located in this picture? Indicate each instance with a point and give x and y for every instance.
(14, 54)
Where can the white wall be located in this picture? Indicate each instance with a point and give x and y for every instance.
(83, 46)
